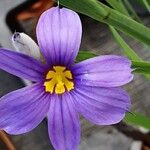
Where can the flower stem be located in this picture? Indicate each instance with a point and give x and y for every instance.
(4, 137)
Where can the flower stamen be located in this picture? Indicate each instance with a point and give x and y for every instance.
(58, 80)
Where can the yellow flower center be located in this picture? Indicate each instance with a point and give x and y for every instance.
(58, 80)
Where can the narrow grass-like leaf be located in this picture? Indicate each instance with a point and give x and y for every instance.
(143, 4)
(147, 5)
(132, 11)
(127, 50)
(141, 67)
(103, 13)
(141, 64)
(83, 55)
(137, 119)
(118, 5)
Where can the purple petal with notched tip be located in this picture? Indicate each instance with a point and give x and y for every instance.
(59, 35)
(63, 123)
(22, 110)
(103, 106)
(21, 65)
(103, 71)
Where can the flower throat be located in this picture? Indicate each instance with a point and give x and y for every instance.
(58, 80)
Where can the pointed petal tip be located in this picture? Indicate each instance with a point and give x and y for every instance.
(104, 71)
(59, 35)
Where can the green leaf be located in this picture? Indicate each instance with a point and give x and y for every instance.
(123, 6)
(147, 5)
(127, 50)
(118, 5)
(137, 119)
(141, 3)
(103, 13)
(141, 64)
(83, 55)
(141, 67)
(132, 11)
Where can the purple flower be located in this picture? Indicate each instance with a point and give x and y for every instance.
(63, 89)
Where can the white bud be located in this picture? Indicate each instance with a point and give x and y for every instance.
(24, 44)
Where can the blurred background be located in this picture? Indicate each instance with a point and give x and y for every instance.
(22, 16)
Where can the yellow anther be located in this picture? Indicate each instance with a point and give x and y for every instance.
(58, 80)
(50, 75)
(59, 89)
(69, 85)
(49, 85)
(68, 74)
